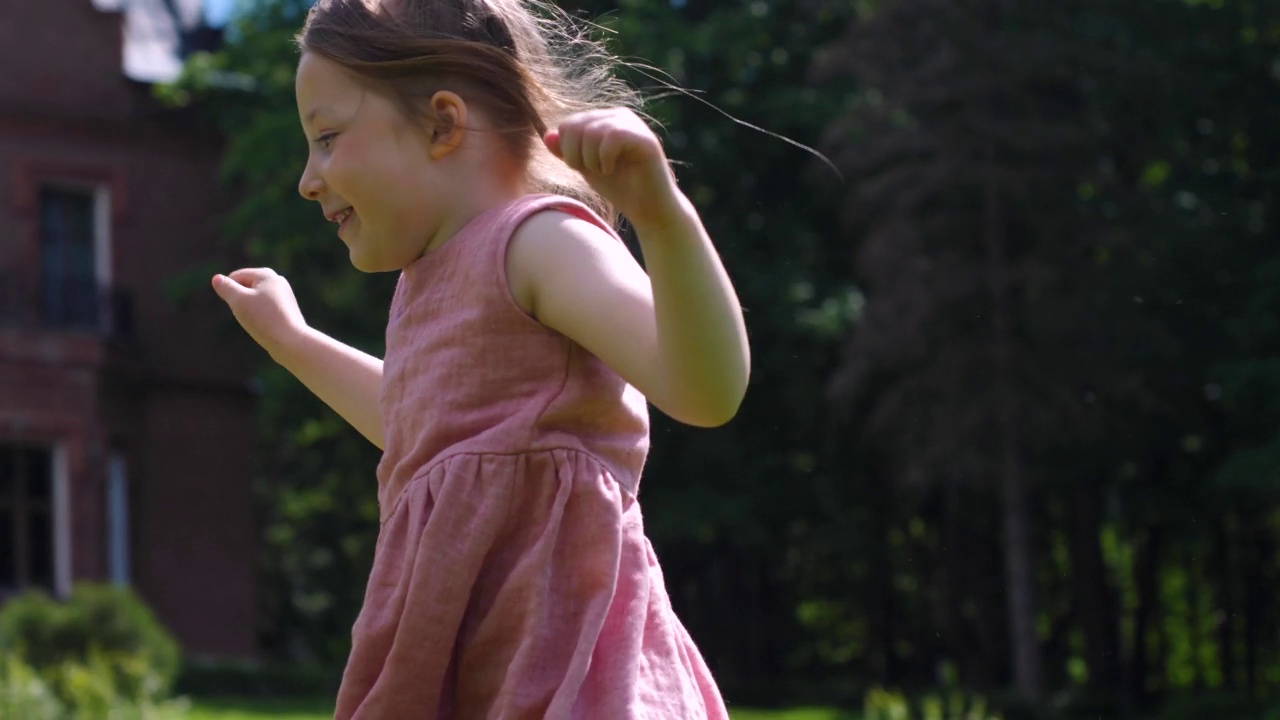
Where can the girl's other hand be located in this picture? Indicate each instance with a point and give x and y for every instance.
(264, 305)
(622, 159)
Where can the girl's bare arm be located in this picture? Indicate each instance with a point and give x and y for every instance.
(344, 378)
(347, 380)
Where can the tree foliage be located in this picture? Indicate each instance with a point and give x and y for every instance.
(1059, 221)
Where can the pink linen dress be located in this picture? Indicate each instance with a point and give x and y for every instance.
(512, 576)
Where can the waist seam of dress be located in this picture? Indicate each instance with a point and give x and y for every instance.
(447, 456)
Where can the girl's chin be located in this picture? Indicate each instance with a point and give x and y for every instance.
(359, 260)
(362, 264)
(365, 263)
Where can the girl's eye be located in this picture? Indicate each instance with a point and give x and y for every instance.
(325, 141)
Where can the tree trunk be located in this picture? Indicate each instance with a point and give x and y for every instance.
(1255, 597)
(1094, 595)
(963, 645)
(1258, 599)
(1020, 580)
(1226, 595)
(1147, 581)
(1195, 618)
(879, 597)
(1019, 573)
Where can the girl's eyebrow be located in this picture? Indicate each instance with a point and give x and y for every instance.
(316, 111)
(328, 111)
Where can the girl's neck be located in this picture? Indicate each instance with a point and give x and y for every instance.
(484, 191)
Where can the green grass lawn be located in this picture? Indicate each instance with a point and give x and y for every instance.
(260, 709)
(791, 714)
(322, 709)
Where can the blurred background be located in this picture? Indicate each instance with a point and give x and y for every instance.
(1012, 442)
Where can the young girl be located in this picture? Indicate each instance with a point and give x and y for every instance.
(454, 142)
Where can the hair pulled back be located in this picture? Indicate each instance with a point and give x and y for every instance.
(525, 63)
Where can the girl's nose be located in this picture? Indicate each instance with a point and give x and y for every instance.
(310, 186)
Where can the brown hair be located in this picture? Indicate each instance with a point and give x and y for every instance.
(525, 63)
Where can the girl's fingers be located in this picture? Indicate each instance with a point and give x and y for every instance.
(612, 145)
(599, 142)
(250, 277)
(552, 141)
(227, 289)
(571, 145)
(592, 139)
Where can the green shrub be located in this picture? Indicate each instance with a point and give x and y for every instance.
(35, 627)
(81, 691)
(94, 689)
(47, 634)
(99, 655)
(24, 693)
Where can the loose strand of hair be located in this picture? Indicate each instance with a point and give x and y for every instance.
(669, 88)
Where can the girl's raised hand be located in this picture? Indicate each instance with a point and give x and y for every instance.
(621, 158)
(264, 305)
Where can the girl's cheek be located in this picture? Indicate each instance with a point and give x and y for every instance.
(354, 145)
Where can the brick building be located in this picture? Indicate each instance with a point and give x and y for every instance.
(126, 418)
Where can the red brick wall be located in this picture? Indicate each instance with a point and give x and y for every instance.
(63, 55)
(198, 571)
(176, 402)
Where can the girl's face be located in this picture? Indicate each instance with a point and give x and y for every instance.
(369, 168)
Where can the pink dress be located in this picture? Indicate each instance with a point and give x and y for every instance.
(512, 576)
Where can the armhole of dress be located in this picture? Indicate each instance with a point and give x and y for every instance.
(520, 217)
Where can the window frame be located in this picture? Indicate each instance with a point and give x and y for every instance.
(110, 212)
(59, 516)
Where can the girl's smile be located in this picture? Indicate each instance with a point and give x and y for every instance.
(343, 217)
(369, 169)
(395, 185)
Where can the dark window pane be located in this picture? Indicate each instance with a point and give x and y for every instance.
(39, 467)
(66, 249)
(8, 471)
(41, 544)
(8, 546)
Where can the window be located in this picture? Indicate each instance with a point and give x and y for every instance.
(26, 518)
(70, 290)
(62, 279)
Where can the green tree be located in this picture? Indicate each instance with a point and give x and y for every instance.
(1216, 184)
(1060, 220)
(977, 149)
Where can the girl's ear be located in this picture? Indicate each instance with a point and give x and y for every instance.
(447, 115)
